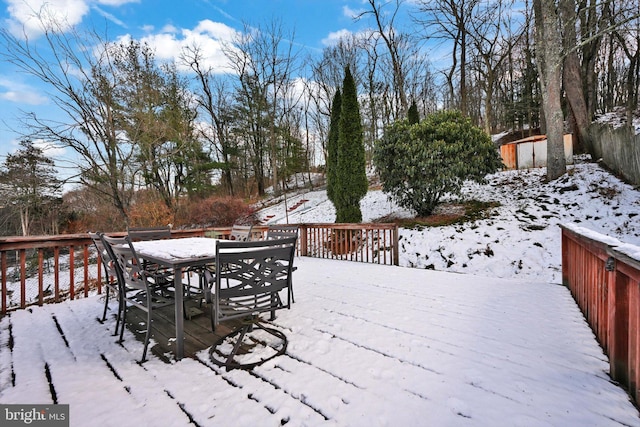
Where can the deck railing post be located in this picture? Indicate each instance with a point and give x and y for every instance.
(618, 330)
(303, 235)
(395, 245)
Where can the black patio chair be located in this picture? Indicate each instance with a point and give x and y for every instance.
(283, 231)
(112, 279)
(161, 275)
(149, 233)
(138, 290)
(279, 231)
(255, 274)
(239, 233)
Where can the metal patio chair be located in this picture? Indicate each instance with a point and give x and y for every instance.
(112, 281)
(254, 274)
(138, 289)
(161, 275)
(283, 231)
(149, 233)
(240, 233)
(279, 231)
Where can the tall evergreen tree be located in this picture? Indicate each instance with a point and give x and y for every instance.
(332, 147)
(351, 177)
(413, 115)
(28, 184)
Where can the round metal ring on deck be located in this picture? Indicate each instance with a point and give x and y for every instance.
(220, 354)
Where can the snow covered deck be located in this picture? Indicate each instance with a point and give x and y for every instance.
(368, 345)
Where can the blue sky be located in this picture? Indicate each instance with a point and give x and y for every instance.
(168, 25)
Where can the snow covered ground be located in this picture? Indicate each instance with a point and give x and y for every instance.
(520, 239)
(369, 345)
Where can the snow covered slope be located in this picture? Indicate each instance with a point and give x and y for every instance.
(520, 239)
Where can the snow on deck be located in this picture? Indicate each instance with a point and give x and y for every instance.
(369, 345)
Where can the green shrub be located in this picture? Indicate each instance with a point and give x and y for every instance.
(419, 164)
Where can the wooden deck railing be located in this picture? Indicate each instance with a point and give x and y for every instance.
(374, 243)
(39, 269)
(605, 282)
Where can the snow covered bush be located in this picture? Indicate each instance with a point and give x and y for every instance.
(419, 164)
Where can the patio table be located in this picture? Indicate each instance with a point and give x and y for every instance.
(178, 254)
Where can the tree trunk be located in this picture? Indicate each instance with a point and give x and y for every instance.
(463, 72)
(573, 77)
(24, 220)
(592, 39)
(575, 97)
(549, 55)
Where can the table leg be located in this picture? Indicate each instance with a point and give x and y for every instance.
(177, 282)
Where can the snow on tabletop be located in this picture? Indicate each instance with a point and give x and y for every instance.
(189, 247)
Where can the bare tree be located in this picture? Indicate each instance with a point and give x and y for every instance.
(549, 57)
(372, 111)
(212, 95)
(327, 74)
(394, 43)
(492, 39)
(264, 62)
(77, 70)
(593, 16)
(625, 24)
(449, 21)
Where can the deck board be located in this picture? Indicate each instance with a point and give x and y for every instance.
(197, 330)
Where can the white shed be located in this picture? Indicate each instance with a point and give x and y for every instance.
(531, 152)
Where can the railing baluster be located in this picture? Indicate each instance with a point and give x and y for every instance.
(23, 278)
(3, 274)
(72, 262)
(85, 261)
(40, 276)
(56, 273)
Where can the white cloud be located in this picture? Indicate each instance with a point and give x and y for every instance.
(166, 45)
(351, 13)
(110, 17)
(12, 91)
(169, 28)
(208, 36)
(216, 30)
(24, 97)
(49, 149)
(334, 37)
(30, 16)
